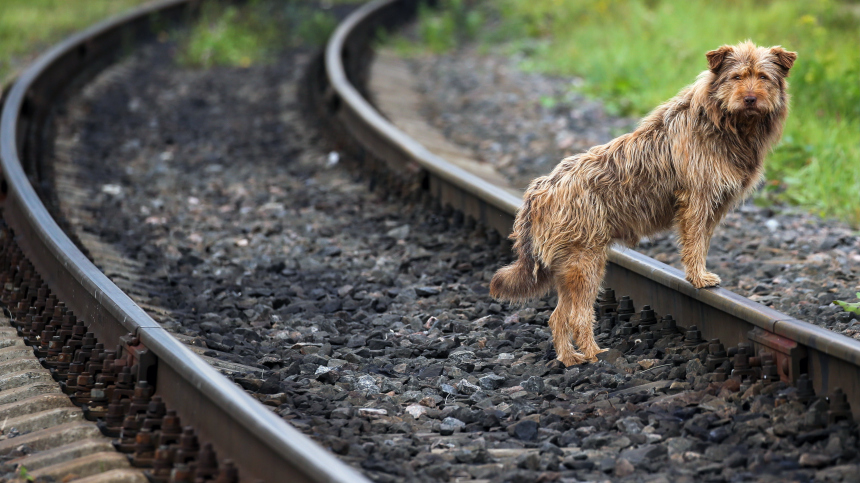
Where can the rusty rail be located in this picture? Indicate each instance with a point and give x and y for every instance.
(261, 443)
(831, 360)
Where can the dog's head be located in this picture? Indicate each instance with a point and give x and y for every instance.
(749, 80)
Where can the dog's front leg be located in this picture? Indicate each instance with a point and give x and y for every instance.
(697, 219)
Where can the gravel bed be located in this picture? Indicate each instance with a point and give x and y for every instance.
(779, 256)
(368, 322)
(522, 123)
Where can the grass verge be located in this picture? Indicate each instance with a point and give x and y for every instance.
(29, 26)
(253, 32)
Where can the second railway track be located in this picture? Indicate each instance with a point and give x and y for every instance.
(363, 317)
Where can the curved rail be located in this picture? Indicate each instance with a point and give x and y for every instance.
(830, 359)
(260, 442)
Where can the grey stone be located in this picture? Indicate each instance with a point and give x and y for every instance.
(460, 356)
(431, 371)
(630, 425)
(623, 468)
(619, 443)
(529, 461)
(448, 389)
(735, 461)
(695, 368)
(367, 383)
(610, 356)
(426, 291)
(525, 430)
(341, 413)
(678, 445)
(491, 381)
(399, 233)
(718, 452)
(454, 422)
(533, 384)
(813, 460)
(596, 441)
(467, 387)
(356, 341)
(606, 464)
(642, 454)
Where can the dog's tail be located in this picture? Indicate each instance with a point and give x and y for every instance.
(527, 278)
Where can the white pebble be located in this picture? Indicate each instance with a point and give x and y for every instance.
(112, 189)
(771, 225)
(332, 159)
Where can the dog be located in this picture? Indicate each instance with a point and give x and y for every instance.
(690, 161)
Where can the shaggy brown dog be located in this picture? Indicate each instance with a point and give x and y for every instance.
(691, 160)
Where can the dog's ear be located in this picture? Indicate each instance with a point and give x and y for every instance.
(716, 57)
(784, 58)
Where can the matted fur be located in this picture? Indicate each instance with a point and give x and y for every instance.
(689, 162)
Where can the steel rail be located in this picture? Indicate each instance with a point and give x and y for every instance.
(830, 359)
(262, 444)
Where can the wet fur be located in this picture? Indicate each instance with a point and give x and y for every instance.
(690, 161)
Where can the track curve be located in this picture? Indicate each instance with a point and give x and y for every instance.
(263, 445)
(829, 359)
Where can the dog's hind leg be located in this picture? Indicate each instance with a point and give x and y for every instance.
(578, 280)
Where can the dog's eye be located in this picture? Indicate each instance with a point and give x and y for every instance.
(762, 77)
(737, 77)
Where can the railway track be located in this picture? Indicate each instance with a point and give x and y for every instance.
(194, 414)
(828, 359)
(64, 307)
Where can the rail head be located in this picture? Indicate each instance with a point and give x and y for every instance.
(351, 97)
(185, 380)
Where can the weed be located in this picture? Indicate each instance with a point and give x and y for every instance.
(455, 21)
(24, 474)
(252, 33)
(223, 38)
(316, 28)
(548, 102)
(851, 307)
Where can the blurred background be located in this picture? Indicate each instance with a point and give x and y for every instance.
(630, 54)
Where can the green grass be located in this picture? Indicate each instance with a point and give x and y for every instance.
(636, 54)
(24, 474)
(850, 307)
(252, 33)
(225, 35)
(29, 26)
(439, 29)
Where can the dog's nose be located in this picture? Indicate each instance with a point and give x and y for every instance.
(749, 100)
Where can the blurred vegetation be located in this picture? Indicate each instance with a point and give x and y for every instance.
(850, 307)
(455, 22)
(225, 35)
(635, 54)
(441, 28)
(29, 26)
(253, 32)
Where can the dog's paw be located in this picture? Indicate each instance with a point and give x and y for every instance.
(705, 279)
(572, 359)
(591, 355)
